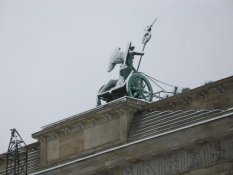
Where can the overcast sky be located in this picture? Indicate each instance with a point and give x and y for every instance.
(54, 53)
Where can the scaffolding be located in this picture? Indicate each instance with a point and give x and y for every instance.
(17, 155)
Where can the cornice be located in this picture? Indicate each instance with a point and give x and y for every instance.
(90, 118)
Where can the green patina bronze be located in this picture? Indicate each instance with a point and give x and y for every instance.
(130, 82)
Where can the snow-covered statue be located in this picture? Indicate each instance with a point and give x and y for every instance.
(130, 82)
(126, 67)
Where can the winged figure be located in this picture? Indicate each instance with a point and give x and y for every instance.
(116, 58)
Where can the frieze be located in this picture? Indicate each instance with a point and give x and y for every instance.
(77, 127)
(107, 116)
(220, 89)
(203, 94)
(195, 158)
(66, 131)
(217, 152)
(172, 105)
(181, 161)
(187, 100)
(171, 164)
(150, 167)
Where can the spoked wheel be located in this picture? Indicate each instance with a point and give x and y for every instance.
(139, 87)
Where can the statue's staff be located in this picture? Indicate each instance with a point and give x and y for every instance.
(146, 38)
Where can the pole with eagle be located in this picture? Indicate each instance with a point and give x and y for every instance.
(146, 38)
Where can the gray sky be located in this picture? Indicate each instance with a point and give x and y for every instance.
(54, 53)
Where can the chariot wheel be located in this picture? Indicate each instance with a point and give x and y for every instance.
(138, 86)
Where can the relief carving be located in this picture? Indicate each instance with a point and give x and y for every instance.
(128, 170)
(217, 152)
(183, 160)
(150, 168)
(171, 163)
(196, 160)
